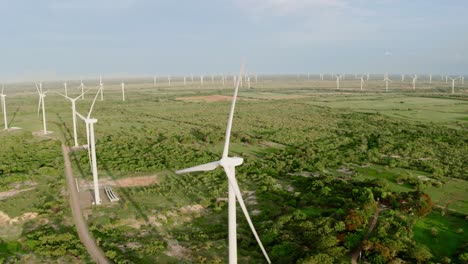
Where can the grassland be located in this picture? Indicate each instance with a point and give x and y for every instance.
(283, 128)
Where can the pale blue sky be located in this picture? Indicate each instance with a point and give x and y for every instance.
(57, 39)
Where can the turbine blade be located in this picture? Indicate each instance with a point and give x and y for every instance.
(39, 105)
(231, 175)
(81, 93)
(231, 113)
(204, 167)
(94, 101)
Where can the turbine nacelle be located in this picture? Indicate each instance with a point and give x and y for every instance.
(231, 161)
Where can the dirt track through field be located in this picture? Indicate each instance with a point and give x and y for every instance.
(355, 254)
(82, 228)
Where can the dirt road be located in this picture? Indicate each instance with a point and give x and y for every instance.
(355, 253)
(82, 228)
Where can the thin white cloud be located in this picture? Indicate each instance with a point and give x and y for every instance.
(91, 4)
(288, 7)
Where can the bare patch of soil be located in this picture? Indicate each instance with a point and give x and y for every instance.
(174, 249)
(122, 183)
(6, 220)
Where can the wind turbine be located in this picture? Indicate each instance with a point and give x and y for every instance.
(92, 148)
(155, 80)
(402, 78)
(386, 79)
(453, 84)
(430, 78)
(362, 81)
(123, 91)
(2, 97)
(82, 89)
(414, 77)
(42, 95)
(65, 86)
(201, 80)
(169, 80)
(338, 77)
(73, 103)
(368, 76)
(321, 76)
(101, 87)
(229, 164)
(185, 81)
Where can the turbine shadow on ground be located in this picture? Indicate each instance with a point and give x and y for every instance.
(14, 116)
(68, 142)
(127, 196)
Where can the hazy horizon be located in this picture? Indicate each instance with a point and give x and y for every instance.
(57, 40)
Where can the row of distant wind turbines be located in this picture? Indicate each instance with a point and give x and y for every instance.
(365, 77)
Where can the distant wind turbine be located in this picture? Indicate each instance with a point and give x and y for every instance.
(41, 104)
(362, 81)
(229, 164)
(453, 83)
(65, 86)
(101, 87)
(2, 97)
(338, 77)
(386, 79)
(123, 91)
(82, 89)
(415, 78)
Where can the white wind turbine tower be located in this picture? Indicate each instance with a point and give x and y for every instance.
(386, 79)
(123, 91)
(368, 76)
(2, 98)
(321, 76)
(42, 95)
(338, 77)
(185, 81)
(256, 78)
(229, 164)
(453, 84)
(201, 80)
(155, 80)
(415, 77)
(402, 78)
(362, 81)
(73, 103)
(430, 78)
(82, 89)
(65, 86)
(169, 80)
(92, 148)
(101, 87)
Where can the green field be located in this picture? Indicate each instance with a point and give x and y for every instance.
(298, 138)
